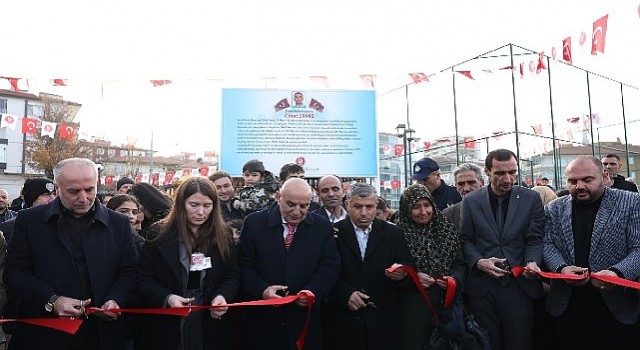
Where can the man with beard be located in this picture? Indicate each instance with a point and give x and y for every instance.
(596, 229)
(502, 226)
(611, 163)
(223, 183)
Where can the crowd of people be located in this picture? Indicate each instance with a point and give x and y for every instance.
(65, 253)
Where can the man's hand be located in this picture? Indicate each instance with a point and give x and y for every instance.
(178, 301)
(531, 270)
(302, 300)
(442, 282)
(106, 315)
(70, 307)
(219, 311)
(489, 267)
(271, 292)
(601, 284)
(426, 280)
(357, 300)
(575, 270)
(396, 275)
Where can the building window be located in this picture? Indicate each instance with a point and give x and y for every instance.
(35, 111)
(3, 105)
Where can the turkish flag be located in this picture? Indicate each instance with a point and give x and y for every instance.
(168, 178)
(316, 105)
(395, 184)
(599, 35)
(67, 131)
(541, 64)
(419, 77)
(566, 50)
(466, 73)
(157, 83)
(29, 126)
(398, 149)
(469, 142)
(59, 82)
(386, 150)
(13, 82)
(9, 121)
(427, 145)
(369, 80)
(573, 120)
(443, 140)
(154, 179)
(108, 180)
(204, 171)
(282, 104)
(521, 70)
(48, 129)
(537, 129)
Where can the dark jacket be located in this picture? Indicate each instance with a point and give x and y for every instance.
(39, 264)
(620, 183)
(368, 328)
(161, 273)
(445, 196)
(312, 263)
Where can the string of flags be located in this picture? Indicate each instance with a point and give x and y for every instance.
(163, 178)
(30, 126)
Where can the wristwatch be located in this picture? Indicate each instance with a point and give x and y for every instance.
(49, 305)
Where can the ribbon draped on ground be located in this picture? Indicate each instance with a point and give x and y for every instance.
(71, 325)
(449, 296)
(518, 270)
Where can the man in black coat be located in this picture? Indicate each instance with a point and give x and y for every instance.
(611, 163)
(363, 310)
(427, 172)
(285, 249)
(70, 254)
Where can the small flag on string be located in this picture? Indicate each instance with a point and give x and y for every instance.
(566, 50)
(59, 82)
(67, 131)
(599, 35)
(419, 77)
(368, 80)
(48, 129)
(29, 125)
(157, 83)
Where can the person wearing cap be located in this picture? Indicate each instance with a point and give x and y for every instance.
(36, 191)
(427, 173)
(124, 185)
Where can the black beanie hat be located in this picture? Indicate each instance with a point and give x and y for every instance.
(124, 180)
(33, 188)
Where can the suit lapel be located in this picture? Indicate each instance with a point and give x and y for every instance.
(604, 212)
(567, 230)
(486, 209)
(375, 237)
(514, 203)
(348, 237)
(171, 253)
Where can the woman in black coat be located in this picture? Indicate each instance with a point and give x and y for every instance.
(192, 261)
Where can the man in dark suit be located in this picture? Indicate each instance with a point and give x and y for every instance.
(330, 192)
(283, 250)
(363, 309)
(611, 163)
(594, 229)
(502, 226)
(69, 254)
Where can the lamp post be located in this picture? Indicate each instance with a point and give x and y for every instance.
(407, 136)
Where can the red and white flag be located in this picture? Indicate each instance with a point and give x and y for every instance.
(168, 178)
(315, 104)
(466, 73)
(282, 104)
(427, 145)
(386, 150)
(599, 35)
(521, 70)
(59, 82)
(583, 38)
(537, 129)
(469, 142)
(387, 185)
(29, 125)
(13, 82)
(553, 53)
(369, 80)
(398, 149)
(566, 50)
(157, 83)
(67, 131)
(419, 77)
(541, 64)
(573, 120)
(48, 129)
(9, 121)
(395, 184)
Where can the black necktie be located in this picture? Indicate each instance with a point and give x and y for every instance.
(500, 215)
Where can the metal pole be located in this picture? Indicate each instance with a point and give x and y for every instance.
(455, 115)
(556, 155)
(599, 149)
(624, 125)
(151, 159)
(404, 147)
(533, 183)
(515, 112)
(593, 147)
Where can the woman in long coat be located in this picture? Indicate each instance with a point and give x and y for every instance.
(192, 261)
(436, 249)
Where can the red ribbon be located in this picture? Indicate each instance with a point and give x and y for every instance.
(449, 295)
(66, 325)
(518, 270)
(184, 311)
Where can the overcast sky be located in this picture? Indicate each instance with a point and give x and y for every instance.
(108, 50)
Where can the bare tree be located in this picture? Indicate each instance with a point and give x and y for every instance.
(44, 152)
